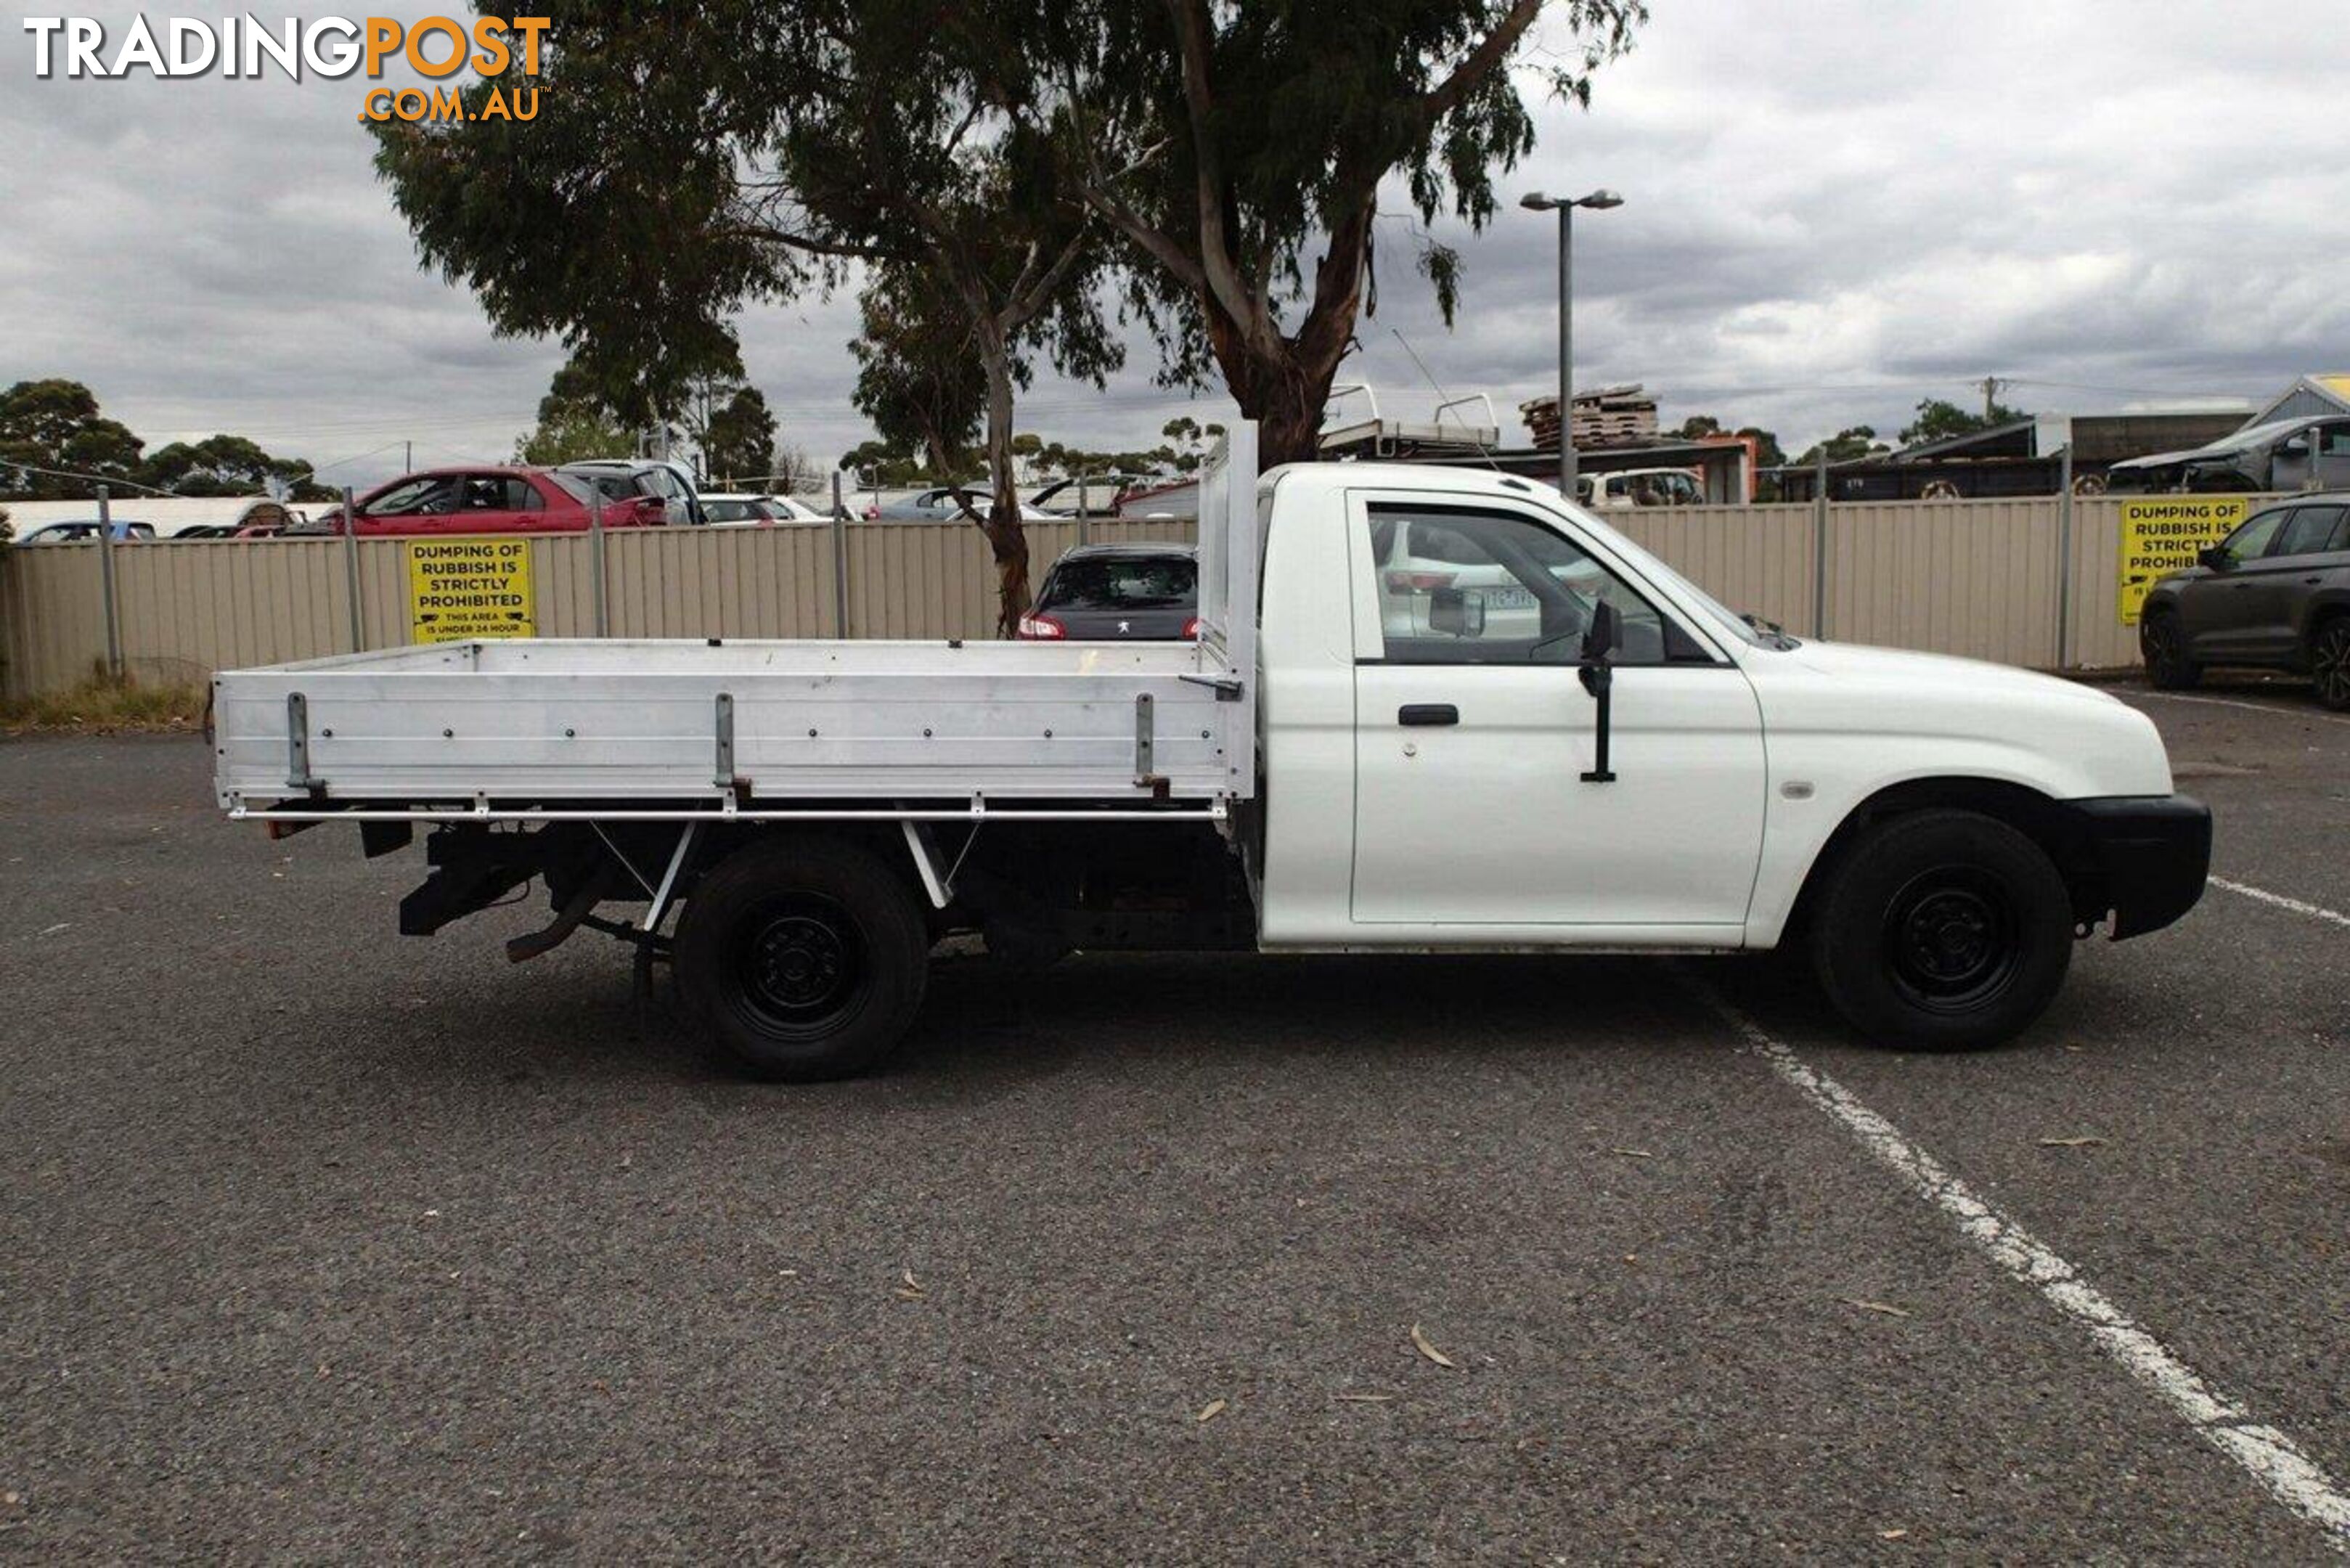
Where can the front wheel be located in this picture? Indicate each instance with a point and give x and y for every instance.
(1943, 931)
(2162, 641)
(2329, 663)
(804, 959)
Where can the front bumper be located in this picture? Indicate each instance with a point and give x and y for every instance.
(2151, 855)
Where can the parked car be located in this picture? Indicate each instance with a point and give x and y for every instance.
(2282, 454)
(641, 478)
(493, 500)
(1105, 593)
(792, 509)
(1101, 492)
(737, 511)
(2273, 595)
(1640, 487)
(82, 530)
(938, 504)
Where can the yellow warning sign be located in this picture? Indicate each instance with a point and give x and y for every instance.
(463, 589)
(2162, 533)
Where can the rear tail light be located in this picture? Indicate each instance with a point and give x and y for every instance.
(1041, 628)
(1191, 629)
(1418, 582)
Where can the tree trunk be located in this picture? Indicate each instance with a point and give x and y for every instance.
(1007, 537)
(1283, 382)
(1283, 385)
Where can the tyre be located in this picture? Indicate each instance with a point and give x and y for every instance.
(2162, 642)
(2329, 663)
(803, 959)
(1942, 930)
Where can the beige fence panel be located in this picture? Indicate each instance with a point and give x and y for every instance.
(1977, 577)
(1752, 558)
(1972, 577)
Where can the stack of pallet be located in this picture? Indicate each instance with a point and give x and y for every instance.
(1605, 416)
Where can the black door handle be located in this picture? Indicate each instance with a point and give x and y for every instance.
(1419, 713)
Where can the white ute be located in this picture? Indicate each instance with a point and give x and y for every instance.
(1525, 732)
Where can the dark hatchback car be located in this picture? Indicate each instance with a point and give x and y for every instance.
(2275, 595)
(1106, 593)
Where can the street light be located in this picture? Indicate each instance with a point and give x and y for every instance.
(1565, 206)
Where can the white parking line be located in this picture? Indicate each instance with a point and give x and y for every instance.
(2315, 911)
(2248, 706)
(2273, 1459)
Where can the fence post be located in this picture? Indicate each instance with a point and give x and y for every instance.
(839, 560)
(1085, 519)
(596, 558)
(1820, 544)
(2065, 559)
(351, 571)
(106, 584)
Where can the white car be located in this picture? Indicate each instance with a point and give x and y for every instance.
(742, 510)
(1640, 487)
(1563, 744)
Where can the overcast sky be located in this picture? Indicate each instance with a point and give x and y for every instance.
(1833, 208)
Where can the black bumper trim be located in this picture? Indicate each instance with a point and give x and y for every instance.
(2153, 854)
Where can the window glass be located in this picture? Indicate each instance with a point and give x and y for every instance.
(2311, 529)
(2333, 441)
(2251, 540)
(571, 485)
(1458, 587)
(432, 495)
(1123, 582)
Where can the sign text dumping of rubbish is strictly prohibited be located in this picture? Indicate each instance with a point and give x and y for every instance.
(463, 589)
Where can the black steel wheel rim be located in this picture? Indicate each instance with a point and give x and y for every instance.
(800, 961)
(2331, 664)
(2161, 641)
(1953, 941)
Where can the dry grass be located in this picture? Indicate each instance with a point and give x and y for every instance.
(104, 707)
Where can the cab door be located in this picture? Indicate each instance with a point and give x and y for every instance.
(1474, 732)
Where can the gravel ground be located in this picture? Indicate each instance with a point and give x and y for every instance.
(320, 1243)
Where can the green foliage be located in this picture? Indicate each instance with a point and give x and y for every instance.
(1845, 445)
(738, 441)
(918, 377)
(1768, 454)
(56, 424)
(1937, 419)
(1240, 151)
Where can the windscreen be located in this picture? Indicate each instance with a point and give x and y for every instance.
(1125, 582)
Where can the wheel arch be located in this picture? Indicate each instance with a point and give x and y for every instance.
(2046, 821)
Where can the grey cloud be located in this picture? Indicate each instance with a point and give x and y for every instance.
(1832, 209)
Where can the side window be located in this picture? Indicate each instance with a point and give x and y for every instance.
(2251, 540)
(1458, 586)
(2313, 529)
(2333, 440)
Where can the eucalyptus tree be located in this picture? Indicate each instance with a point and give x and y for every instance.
(1241, 150)
(690, 161)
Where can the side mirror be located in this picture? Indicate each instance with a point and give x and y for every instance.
(1456, 612)
(1605, 635)
(2215, 557)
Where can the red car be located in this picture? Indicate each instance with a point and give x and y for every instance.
(494, 500)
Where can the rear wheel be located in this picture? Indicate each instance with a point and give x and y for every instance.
(2163, 643)
(804, 958)
(1943, 931)
(2329, 663)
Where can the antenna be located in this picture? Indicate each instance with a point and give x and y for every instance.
(1482, 450)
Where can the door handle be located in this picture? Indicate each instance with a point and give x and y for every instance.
(1422, 713)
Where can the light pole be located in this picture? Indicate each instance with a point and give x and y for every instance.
(1565, 206)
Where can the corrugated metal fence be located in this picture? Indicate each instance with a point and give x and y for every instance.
(1975, 577)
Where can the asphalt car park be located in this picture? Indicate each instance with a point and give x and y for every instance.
(316, 1241)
